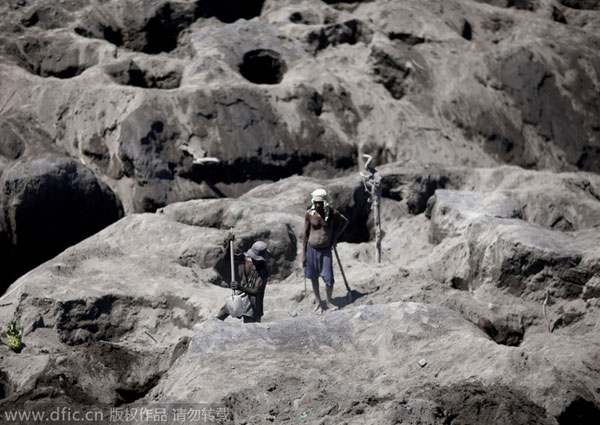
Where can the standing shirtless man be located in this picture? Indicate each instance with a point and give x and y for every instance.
(322, 227)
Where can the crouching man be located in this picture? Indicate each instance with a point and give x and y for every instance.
(253, 281)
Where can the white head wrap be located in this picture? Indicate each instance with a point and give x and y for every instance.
(320, 195)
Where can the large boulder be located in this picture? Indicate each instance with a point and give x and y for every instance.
(505, 251)
(300, 367)
(452, 212)
(49, 204)
(129, 297)
(529, 260)
(558, 201)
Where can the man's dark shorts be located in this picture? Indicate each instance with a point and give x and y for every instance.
(319, 263)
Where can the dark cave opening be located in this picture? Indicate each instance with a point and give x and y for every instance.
(49, 58)
(162, 31)
(580, 412)
(502, 334)
(53, 211)
(229, 11)
(263, 66)
(467, 31)
(131, 74)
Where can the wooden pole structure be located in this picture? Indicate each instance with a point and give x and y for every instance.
(376, 197)
(372, 184)
(231, 258)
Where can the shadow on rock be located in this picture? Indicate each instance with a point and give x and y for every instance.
(348, 299)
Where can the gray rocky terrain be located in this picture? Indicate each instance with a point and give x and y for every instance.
(135, 136)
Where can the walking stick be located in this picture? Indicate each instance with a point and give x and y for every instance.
(231, 255)
(304, 281)
(343, 274)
